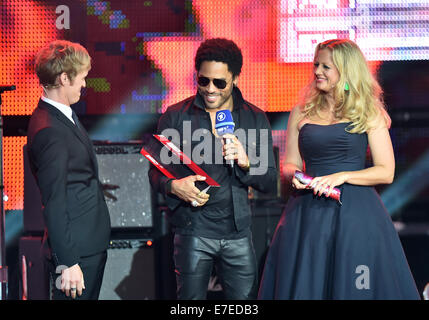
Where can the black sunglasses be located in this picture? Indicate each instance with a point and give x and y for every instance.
(219, 83)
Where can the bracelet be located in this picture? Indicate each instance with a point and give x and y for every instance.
(168, 186)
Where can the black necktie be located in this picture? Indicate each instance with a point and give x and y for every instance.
(79, 125)
(76, 120)
(85, 135)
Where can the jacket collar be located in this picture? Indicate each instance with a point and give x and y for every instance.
(66, 110)
(83, 137)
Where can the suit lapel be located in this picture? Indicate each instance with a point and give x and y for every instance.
(79, 132)
(83, 133)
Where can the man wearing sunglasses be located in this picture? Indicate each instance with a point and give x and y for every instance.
(214, 229)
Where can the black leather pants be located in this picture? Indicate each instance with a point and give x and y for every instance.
(194, 258)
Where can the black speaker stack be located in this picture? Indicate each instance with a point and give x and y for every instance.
(139, 264)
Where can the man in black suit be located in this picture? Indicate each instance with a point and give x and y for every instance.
(64, 164)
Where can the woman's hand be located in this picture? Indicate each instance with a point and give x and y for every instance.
(323, 184)
(298, 185)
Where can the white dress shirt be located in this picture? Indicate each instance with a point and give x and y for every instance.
(66, 110)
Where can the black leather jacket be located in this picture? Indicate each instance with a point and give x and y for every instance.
(251, 117)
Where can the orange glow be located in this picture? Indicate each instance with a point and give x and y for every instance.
(13, 164)
(269, 84)
(175, 57)
(28, 27)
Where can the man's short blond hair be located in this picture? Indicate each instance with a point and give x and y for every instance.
(60, 56)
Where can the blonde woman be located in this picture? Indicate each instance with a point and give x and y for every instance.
(324, 248)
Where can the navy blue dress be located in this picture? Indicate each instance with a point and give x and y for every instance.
(324, 250)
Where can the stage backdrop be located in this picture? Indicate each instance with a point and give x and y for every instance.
(143, 50)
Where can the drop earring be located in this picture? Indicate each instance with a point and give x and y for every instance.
(346, 87)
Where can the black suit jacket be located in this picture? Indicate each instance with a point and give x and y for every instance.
(64, 164)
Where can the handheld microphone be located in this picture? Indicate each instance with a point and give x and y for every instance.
(225, 124)
(306, 179)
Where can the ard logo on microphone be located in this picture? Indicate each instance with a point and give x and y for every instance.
(221, 116)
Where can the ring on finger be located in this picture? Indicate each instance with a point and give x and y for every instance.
(194, 203)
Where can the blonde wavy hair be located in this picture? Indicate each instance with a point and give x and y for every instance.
(362, 103)
(60, 56)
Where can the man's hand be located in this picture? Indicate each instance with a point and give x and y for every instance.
(186, 190)
(235, 151)
(72, 281)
